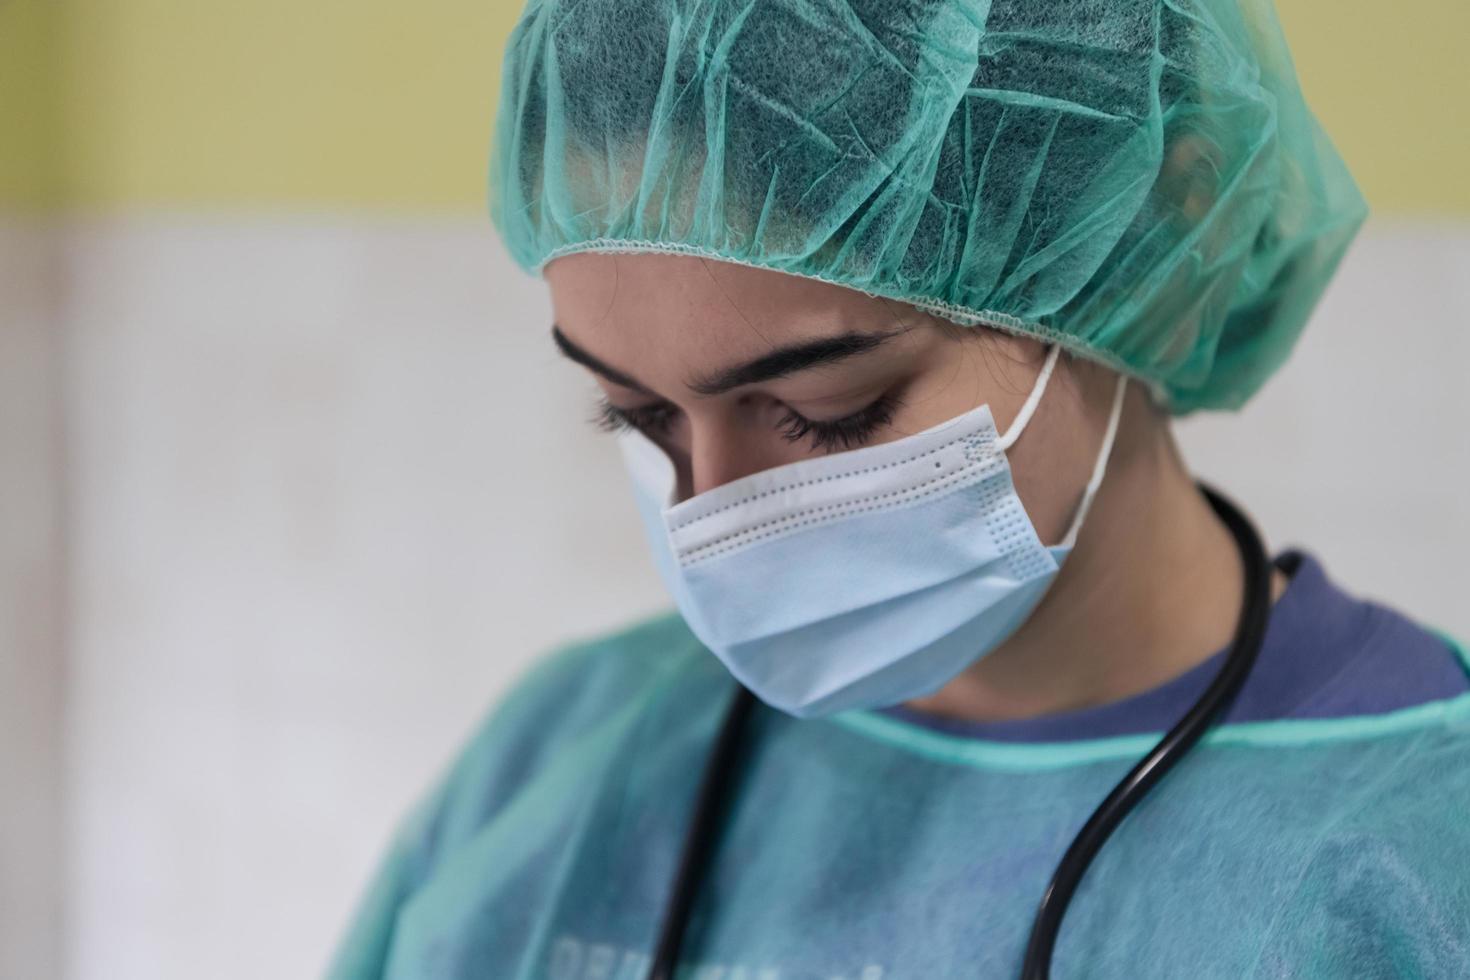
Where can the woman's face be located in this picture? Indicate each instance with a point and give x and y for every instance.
(733, 370)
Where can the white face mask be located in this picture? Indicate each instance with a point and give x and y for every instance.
(862, 578)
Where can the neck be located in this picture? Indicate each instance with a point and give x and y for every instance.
(1152, 588)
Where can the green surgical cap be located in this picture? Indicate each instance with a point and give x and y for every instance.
(1137, 180)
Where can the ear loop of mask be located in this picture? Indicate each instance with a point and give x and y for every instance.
(1100, 467)
(1018, 424)
(1028, 409)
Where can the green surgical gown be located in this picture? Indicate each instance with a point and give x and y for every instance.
(862, 847)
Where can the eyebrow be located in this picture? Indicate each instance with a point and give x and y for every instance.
(777, 364)
(574, 353)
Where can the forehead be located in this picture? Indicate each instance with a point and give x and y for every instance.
(682, 300)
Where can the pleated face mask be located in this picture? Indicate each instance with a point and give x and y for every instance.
(862, 578)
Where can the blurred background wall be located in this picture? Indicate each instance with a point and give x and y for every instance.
(292, 484)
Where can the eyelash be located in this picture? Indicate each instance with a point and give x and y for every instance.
(847, 432)
(649, 418)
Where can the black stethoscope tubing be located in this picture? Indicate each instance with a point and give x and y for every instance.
(1250, 631)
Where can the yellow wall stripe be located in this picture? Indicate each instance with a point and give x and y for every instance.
(336, 104)
(30, 116)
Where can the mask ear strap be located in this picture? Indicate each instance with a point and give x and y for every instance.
(1018, 425)
(1101, 465)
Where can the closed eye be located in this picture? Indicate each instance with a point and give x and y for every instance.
(645, 418)
(825, 435)
(844, 433)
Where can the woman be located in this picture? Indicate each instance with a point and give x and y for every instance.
(891, 302)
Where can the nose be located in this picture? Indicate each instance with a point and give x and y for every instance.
(720, 454)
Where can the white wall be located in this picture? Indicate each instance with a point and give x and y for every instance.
(331, 488)
(330, 481)
(1360, 448)
(31, 605)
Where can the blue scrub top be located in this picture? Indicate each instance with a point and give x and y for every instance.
(1326, 654)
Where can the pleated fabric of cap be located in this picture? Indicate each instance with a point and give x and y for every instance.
(1140, 181)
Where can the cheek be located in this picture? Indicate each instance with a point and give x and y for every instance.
(1052, 461)
(948, 385)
